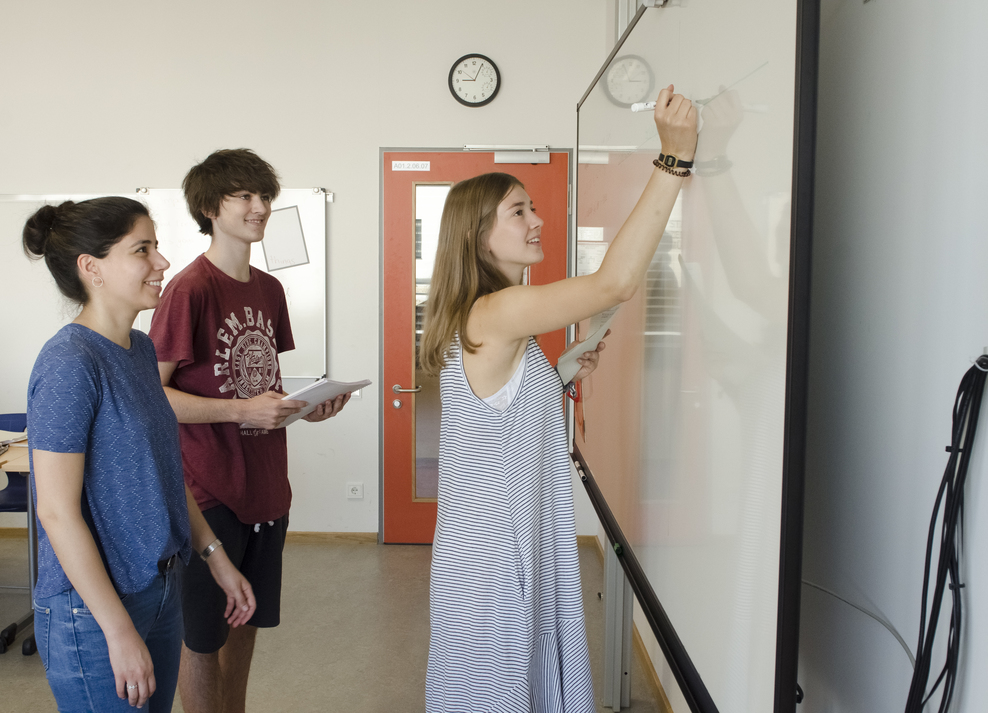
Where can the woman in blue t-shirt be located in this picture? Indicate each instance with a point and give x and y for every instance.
(114, 514)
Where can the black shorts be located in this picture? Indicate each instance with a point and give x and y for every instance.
(258, 557)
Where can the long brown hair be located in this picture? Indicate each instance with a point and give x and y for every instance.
(465, 270)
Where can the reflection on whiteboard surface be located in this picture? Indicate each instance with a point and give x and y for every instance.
(284, 243)
(589, 256)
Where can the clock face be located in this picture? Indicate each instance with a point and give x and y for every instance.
(474, 80)
(628, 80)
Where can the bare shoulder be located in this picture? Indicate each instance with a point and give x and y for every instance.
(494, 315)
(496, 355)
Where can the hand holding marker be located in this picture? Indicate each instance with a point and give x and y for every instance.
(700, 103)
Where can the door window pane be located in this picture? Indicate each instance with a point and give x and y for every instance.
(429, 202)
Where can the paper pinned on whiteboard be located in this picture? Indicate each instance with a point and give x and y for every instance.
(284, 243)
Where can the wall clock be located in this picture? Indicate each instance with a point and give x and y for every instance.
(629, 80)
(474, 80)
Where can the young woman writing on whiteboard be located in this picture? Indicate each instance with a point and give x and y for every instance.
(114, 513)
(506, 611)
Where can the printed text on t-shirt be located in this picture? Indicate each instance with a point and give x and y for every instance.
(247, 357)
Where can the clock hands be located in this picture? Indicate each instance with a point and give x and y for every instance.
(638, 79)
(474, 78)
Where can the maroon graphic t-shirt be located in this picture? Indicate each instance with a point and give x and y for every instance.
(225, 336)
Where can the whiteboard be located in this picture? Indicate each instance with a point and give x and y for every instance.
(298, 214)
(683, 425)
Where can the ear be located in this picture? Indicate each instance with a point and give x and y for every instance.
(88, 268)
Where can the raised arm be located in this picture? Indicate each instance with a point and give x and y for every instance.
(517, 312)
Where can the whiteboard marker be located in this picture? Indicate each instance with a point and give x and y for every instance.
(750, 108)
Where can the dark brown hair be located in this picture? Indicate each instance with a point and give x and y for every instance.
(222, 173)
(465, 270)
(62, 233)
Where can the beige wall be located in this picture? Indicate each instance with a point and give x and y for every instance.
(898, 309)
(107, 96)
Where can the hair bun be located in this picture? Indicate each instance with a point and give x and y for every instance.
(39, 227)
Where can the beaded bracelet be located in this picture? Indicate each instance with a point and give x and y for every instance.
(677, 174)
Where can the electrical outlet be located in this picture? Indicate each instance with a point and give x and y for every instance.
(354, 491)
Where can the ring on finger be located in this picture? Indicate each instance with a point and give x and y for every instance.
(131, 686)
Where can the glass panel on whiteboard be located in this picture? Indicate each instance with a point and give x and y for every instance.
(683, 423)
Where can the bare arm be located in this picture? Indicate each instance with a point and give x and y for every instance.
(517, 312)
(265, 411)
(58, 479)
(240, 602)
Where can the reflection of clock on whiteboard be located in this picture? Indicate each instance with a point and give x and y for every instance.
(629, 80)
(474, 80)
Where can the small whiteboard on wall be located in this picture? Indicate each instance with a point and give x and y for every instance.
(294, 248)
(284, 240)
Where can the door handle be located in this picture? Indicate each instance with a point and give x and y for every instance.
(398, 390)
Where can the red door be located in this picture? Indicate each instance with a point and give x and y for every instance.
(414, 188)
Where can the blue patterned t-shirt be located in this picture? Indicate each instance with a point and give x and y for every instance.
(89, 395)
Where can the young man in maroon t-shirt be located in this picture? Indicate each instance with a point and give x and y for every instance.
(218, 331)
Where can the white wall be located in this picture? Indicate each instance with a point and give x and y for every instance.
(900, 309)
(107, 96)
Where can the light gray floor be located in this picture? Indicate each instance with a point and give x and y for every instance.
(354, 633)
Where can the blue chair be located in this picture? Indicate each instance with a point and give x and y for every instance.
(16, 497)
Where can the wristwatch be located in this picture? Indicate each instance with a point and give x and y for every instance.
(214, 545)
(671, 161)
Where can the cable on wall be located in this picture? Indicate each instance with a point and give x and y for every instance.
(950, 496)
(880, 619)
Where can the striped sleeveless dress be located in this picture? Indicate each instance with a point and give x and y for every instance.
(505, 603)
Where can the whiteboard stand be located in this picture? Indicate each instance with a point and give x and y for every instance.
(618, 613)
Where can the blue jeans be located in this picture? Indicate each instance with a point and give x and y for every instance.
(77, 661)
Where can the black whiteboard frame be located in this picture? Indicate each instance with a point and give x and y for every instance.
(794, 445)
(692, 686)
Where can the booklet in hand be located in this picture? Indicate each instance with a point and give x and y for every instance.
(317, 392)
(567, 366)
